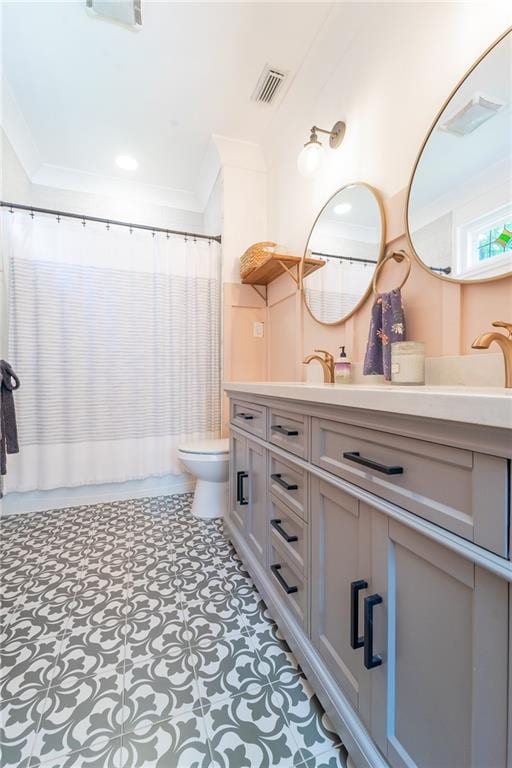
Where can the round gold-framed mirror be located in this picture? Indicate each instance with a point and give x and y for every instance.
(458, 213)
(344, 246)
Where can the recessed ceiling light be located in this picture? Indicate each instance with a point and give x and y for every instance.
(342, 208)
(127, 163)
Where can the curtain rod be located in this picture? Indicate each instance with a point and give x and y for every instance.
(64, 214)
(342, 258)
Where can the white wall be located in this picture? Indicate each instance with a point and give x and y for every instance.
(387, 80)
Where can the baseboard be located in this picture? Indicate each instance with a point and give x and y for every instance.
(355, 737)
(40, 501)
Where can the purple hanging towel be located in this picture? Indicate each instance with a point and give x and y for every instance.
(387, 325)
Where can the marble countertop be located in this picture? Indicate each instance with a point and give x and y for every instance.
(486, 406)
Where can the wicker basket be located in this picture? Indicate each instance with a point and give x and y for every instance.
(254, 256)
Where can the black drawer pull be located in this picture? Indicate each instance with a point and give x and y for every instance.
(275, 570)
(246, 416)
(356, 456)
(278, 478)
(370, 660)
(355, 587)
(240, 477)
(276, 524)
(284, 430)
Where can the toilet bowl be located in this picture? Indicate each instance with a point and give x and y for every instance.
(208, 461)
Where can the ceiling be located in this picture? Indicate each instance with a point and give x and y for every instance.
(89, 90)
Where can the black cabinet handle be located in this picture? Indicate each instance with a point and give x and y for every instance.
(284, 430)
(278, 478)
(356, 641)
(370, 660)
(240, 477)
(356, 456)
(246, 416)
(276, 524)
(275, 570)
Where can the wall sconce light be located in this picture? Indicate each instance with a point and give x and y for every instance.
(311, 154)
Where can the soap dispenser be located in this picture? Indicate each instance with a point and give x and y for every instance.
(342, 369)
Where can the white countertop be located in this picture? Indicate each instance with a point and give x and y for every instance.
(487, 406)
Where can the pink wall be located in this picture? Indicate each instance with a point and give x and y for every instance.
(446, 316)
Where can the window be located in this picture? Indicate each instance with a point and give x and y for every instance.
(480, 253)
(487, 244)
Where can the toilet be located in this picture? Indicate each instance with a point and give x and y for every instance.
(208, 461)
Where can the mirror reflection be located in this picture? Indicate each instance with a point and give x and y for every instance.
(460, 199)
(348, 237)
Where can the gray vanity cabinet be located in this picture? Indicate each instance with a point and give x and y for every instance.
(340, 558)
(439, 698)
(248, 493)
(380, 547)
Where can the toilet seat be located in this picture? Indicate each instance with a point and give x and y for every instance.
(205, 448)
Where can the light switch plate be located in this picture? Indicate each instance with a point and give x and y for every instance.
(257, 330)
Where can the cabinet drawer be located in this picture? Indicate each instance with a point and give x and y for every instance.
(289, 483)
(289, 431)
(290, 584)
(289, 531)
(249, 416)
(462, 491)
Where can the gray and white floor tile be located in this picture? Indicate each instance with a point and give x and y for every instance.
(132, 635)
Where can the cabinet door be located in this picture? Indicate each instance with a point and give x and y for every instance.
(239, 487)
(340, 549)
(257, 518)
(439, 697)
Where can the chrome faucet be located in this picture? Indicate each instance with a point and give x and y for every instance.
(327, 363)
(505, 342)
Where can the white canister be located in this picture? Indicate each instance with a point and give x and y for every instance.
(408, 362)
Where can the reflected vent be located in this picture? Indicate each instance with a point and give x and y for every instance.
(472, 115)
(127, 12)
(269, 85)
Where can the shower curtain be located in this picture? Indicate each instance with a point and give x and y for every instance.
(115, 335)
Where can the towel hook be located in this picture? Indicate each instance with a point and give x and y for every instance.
(398, 256)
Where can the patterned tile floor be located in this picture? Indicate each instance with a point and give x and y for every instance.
(132, 636)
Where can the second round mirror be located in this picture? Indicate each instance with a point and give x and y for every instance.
(348, 236)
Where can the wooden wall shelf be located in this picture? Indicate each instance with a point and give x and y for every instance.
(276, 266)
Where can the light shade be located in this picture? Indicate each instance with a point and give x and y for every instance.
(127, 163)
(310, 158)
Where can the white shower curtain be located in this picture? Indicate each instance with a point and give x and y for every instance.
(116, 339)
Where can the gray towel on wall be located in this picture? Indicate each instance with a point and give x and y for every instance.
(9, 382)
(387, 325)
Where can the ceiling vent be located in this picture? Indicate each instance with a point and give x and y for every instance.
(477, 111)
(269, 85)
(127, 12)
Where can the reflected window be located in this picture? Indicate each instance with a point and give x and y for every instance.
(494, 242)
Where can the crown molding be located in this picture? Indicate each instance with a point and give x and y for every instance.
(93, 183)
